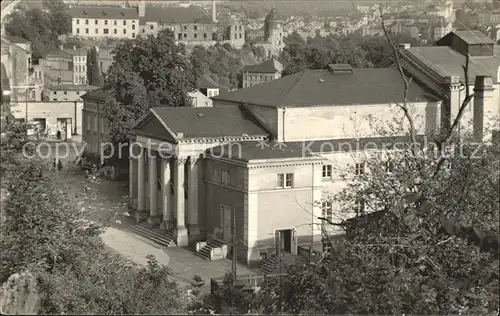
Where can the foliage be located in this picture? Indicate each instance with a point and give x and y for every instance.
(224, 63)
(40, 26)
(19, 295)
(93, 72)
(403, 262)
(48, 233)
(146, 72)
(318, 52)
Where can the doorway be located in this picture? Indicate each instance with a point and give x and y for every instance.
(285, 241)
(226, 222)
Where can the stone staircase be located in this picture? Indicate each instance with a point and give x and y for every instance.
(273, 264)
(212, 250)
(143, 229)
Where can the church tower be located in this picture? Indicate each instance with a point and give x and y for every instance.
(273, 33)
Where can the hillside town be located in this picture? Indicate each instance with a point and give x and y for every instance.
(223, 157)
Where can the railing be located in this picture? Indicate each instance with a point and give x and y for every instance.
(248, 282)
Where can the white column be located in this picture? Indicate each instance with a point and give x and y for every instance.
(140, 181)
(193, 197)
(166, 193)
(153, 189)
(181, 231)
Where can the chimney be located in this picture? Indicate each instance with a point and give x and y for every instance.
(141, 9)
(452, 102)
(483, 103)
(214, 12)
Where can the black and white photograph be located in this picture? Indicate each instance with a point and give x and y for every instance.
(233, 157)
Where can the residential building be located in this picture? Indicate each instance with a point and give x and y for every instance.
(67, 92)
(65, 66)
(206, 88)
(264, 156)
(94, 124)
(104, 22)
(254, 74)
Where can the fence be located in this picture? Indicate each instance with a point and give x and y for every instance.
(248, 282)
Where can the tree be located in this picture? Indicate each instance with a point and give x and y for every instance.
(407, 255)
(93, 71)
(146, 72)
(48, 234)
(40, 26)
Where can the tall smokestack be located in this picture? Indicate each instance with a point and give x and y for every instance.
(483, 103)
(214, 11)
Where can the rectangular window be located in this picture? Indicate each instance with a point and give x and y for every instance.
(133, 27)
(240, 35)
(86, 22)
(225, 176)
(105, 22)
(77, 21)
(86, 31)
(115, 31)
(97, 31)
(327, 171)
(124, 31)
(285, 180)
(115, 22)
(77, 31)
(195, 35)
(185, 35)
(152, 27)
(185, 27)
(204, 35)
(179, 36)
(96, 22)
(133, 35)
(124, 22)
(360, 168)
(327, 210)
(195, 27)
(359, 206)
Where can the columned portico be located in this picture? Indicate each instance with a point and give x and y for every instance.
(166, 195)
(193, 226)
(181, 232)
(133, 173)
(154, 217)
(141, 203)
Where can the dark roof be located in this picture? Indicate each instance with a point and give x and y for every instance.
(205, 82)
(173, 15)
(57, 52)
(472, 37)
(321, 87)
(248, 151)
(268, 67)
(99, 12)
(273, 15)
(17, 39)
(96, 94)
(209, 122)
(448, 62)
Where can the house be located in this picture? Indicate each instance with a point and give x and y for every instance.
(260, 161)
(67, 92)
(206, 88)
(274, 34)
(269, 70)
(65, 66)
(440, 68)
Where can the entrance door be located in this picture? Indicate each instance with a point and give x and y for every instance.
(69, 129)
(226, 222)
(285, 241)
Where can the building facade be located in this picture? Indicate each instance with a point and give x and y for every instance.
(67, 92)
(266, 71)
(273, 35)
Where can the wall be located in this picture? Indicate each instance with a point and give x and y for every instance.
(253, 78)
(274, 208)
(329, 122)
(199, 99)
(92, 133)
(51, 111)
(66, 95)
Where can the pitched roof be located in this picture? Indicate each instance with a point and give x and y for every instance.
(99, 12)
(448, 62)
(251, 151)
(17, 39)
(232, 121)
(72, 87)
(173, 15)
(473, 37)
(322, 87)
(270, 66)
(96, 94)
(205, 82)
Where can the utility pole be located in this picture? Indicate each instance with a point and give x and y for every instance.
(27, 89)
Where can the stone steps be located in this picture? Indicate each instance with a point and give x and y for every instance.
(205, 251)
(143, 229)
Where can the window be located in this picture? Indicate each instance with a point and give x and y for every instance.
(77, 31)
(225, 176)
(86, 31)
(124, 31)
(105, 22)
(33, 94)
(179, 36)
(359, 206)
(240, 35)
(66, 92)
(96, 22)
(195, 35)
(86, 22)
(285, 180)
(105, 31)
(115, 22)
(360, 168)
(185, 27)
(124, 22)
(133, 26)
(327, 171)
(55, 92)
(185, 35)
(204, 35)
(77, 92)
(115, 31)
(77, 21)
(195, 27)
(327, 210)
(97, 31)
(133, 35)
